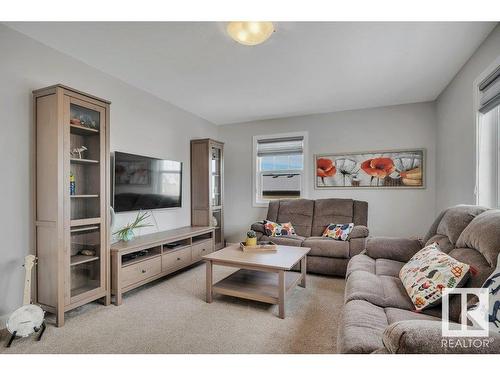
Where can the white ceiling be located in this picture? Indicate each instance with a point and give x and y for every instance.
(305, 67)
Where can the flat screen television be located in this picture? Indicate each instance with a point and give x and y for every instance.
(145, 183)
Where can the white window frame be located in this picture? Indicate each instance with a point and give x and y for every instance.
(478, 116)
(304, 180)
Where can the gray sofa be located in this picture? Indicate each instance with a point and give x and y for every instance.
(378, 315)
(310, 218)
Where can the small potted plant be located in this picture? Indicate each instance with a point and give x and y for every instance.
(251, 238)
(127, 232)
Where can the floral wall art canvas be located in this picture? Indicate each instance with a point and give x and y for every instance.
(374, 169)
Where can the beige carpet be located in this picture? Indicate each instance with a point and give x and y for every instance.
(171, 316)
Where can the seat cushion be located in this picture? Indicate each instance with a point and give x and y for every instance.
(285, 240)
(362, 325)
(383, 291)
(327, 247)
(383, 267)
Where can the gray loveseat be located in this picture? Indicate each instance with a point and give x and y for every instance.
(378, 315)
(310, 218)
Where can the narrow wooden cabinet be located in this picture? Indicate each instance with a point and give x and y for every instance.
(71, 198)
(207, 186)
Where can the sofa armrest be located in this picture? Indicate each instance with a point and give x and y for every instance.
(422, 336)
(399, 249)
(359, 231)
(258, 227)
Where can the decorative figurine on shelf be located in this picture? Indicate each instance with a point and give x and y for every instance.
(72, 184)
(88, 252)
(77, 152)
(127, 232)
(251, 238)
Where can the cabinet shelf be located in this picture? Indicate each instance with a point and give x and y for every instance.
(81, 222)
(82, 130)
(80, 259)
(84, 161)
(85, 196)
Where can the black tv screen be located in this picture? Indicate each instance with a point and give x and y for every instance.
(144, 183)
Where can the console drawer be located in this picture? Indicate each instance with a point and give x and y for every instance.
(176, 259)
(140, 271)
(201, 249)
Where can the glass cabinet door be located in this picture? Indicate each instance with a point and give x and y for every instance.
(85, 125)
(216, 176)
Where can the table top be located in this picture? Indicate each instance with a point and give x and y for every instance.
(283, 259)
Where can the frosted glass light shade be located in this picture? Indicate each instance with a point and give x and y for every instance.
(250, 33)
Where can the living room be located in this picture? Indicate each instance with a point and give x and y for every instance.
(237, 187)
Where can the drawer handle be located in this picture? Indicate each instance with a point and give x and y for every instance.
(178, 258)
(143, 271)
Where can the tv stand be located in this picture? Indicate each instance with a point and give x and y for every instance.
(150, 257)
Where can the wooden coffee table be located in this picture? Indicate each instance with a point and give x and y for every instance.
(263, 277)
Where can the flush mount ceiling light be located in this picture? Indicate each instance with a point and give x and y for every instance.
(250, 33)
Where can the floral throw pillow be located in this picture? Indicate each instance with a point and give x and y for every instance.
(428, 272)
(275, 230)
(338, 231)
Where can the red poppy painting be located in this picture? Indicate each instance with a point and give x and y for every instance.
(394, 169)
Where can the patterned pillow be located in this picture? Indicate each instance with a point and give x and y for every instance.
(275, 230)
(493, 284)
(428, 272)
(338, 231)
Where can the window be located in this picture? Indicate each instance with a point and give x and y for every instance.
(488, 141)
(279, 167)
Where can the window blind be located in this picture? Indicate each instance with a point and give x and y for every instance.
(280, 146)
(489, 89)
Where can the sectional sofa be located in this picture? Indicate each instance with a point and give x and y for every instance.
(310, 218)
(378, 316)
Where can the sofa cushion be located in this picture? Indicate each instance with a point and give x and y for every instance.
(456, 219)
(299, 212)
(430, 271)
(443, 241)
(333, 210)
(383, 291)
(285, 240)
(360, 213)
(382, 267)
(362, 325)
(396, 315)
(483, 235)
(327, 247)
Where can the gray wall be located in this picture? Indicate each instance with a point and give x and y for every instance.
(141, 123)
(391, 212)
(456, 126)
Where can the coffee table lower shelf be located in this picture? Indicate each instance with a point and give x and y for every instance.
(256, 285)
